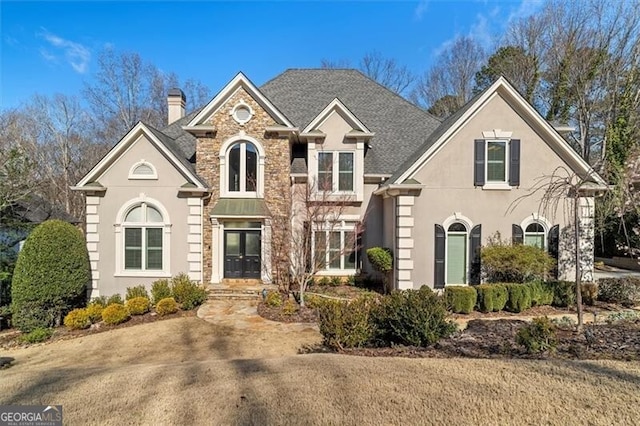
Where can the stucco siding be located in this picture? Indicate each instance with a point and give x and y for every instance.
(121, 191)
(449, 185)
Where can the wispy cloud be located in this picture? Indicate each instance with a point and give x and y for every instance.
(76, 55)
(420, 9)
(490, 25)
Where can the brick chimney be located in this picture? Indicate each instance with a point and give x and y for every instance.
(176, 102)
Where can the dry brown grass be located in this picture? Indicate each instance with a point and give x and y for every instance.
(186, 371)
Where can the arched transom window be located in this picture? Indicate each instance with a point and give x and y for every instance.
(143, 238)
(534, 235)
(456, 263)
(242, 167)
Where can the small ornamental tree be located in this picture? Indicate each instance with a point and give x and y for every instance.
(382, 261)
(50, 277)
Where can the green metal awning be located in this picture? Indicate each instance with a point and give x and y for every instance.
(238, 207)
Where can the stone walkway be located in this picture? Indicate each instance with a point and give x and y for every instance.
(243, 315)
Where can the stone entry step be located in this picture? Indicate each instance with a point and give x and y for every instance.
(226, 291)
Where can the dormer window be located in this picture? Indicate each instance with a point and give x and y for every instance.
(342, 179)
(143, 170)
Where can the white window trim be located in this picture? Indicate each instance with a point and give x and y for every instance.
(134, 176)
(467, 233)
(119, 227)
(342, 227)
(242, 104)
(536, 218)
(336, 172)
(496, 185)
(224, 171)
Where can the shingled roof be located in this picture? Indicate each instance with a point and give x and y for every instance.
(301, 94)
(399, 126)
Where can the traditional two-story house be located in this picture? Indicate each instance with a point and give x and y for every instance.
(200, 195)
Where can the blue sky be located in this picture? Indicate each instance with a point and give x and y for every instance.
(51, 47)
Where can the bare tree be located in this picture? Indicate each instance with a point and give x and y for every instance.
(451, 76)
(126, 89)
(386, 71)
(304, 241)
(17, 180)
(563, 191)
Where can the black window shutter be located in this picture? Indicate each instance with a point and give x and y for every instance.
(474, 254)
(439, 257)
(517, 236)
(514, 164)
(478, 169)
(552, 243)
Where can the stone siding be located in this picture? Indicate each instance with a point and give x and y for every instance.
(277, 162)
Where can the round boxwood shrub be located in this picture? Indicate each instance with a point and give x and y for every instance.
(138, 305)
(274, 299)
(115, 314)
(50, 277)
(94, 310)
(77, 319)
(166, 306)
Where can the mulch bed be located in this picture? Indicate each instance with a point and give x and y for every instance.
(305, 314)
(10, 339)
(496, 339)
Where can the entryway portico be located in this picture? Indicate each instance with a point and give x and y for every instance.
(241, 239)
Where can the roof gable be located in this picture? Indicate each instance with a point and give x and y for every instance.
(455, 122)
(161, 141)
(336, 106)
(240, 80)
(400, 127)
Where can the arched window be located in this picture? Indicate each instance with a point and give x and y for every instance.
(143, 170)
(456, 260)
(243, 167)
(534, 235)
(143, 241)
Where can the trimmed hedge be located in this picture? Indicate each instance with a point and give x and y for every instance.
(541, 294)
(623, 290)
(564, 293)
(519, 297)
(346, 324)
(501, 297)
(486, 297)
(515, 263)
(460, 299)
(50, 277)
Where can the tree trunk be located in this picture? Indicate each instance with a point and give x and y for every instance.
(576, 220)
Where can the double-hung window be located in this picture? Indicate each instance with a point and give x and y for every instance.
(143, 239)
(336, 171)
(335, 246)
(497, 161)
